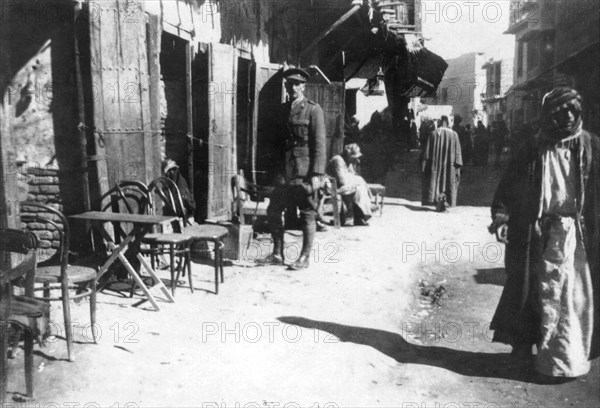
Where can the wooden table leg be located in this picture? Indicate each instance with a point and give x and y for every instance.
(158, 284)
(138, 280)
(118, 252)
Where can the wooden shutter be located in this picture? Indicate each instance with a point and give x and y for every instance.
(123, 135)
(221, 149)
(331, 97)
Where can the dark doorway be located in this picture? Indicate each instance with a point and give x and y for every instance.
(268, 94)
(174, 120)
(244, 115)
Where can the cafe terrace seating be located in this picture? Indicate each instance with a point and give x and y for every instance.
(20, 312)
(57, 273)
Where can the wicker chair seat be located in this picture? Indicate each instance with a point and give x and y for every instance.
(77, 274)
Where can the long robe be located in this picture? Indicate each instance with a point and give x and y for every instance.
(440, 165)
(352, 187)
(523, 314)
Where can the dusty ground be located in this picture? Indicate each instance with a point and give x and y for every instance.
(354, 330)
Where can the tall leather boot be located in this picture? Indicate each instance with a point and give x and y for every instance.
(308, 238)
(277, 255)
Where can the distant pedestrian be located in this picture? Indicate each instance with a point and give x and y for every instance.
(500, 135)
(426, 129)
(440, 165)
(547, 209)
(351, 130)
(463, 136)
(414, 135)
(467, 149)
(481, 145)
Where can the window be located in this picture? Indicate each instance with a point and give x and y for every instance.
(498, 78)
(520, 58)
(533, 54)
(405, 12)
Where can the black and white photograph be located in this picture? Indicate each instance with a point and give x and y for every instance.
(300, 203)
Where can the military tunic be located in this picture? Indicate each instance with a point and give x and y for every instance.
(302, 129)
(305, 154)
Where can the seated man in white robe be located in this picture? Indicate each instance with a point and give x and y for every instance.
(356, 197)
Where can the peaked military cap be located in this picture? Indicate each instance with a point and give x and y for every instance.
(296, 74)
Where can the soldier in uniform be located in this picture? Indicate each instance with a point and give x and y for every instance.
(303, 161)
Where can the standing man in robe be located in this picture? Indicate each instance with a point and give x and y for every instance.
(547, 210)
(301, 167)
(441, 161)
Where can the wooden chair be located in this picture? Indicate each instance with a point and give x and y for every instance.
(57, 273)
(24, 309)
(378, 192)
(249, 199)
(134, 197)
(330, 198)
(171, 197)
(127, 196)
(174, 244)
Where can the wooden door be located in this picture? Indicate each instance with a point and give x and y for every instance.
(331, 98)
(124, 141)
(222, 164)
(268, 96)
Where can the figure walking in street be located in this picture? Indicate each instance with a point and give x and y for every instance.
(500, 135)
(481, 145)
(461, 131)
(426, 129)
(356, 197)
(547, 209)
(302, 167)
(467, 147)
(441, 161)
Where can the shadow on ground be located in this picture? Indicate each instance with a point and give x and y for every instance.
(417, 209)
(472, 364)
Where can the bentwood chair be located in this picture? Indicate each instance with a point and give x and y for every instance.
(127, 196)
(174, 244)
(22, 312)
(249, 199)
(205, 233)
(57, 273)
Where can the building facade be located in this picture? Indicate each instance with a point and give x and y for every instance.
(556, 43)
(99, 91)
(499, 77)
(462, 88)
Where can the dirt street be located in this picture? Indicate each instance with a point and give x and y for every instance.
(391, 315)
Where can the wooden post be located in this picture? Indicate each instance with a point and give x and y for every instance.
(9, 202)
(7, 190)
(189, 52)
(81, 112)
(153, 35)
